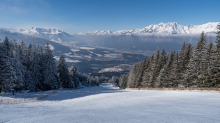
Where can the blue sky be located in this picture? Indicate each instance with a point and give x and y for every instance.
(75, 16)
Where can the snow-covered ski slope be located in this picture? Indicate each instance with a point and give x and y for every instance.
(105, 104)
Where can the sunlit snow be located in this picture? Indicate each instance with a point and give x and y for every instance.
(87, 48)
(106, 104)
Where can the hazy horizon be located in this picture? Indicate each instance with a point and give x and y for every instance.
(85, 15)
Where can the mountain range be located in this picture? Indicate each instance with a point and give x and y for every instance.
(106, 50)
(162, 28)
(162, 36)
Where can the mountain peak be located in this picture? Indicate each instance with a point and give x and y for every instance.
(162, 28)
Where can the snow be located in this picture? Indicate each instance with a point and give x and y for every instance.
(56, 57)
(42, 31)
(74, 50)
(58, 40)
(51, 47)
(106, 104)
(162, 28)
(87, 48)
(67, 59)
(22, 95)
(113, 55)
(70, 60)
(87, 56)
(118, 68)
(99, 55)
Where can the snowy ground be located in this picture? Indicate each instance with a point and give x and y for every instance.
(23, 95)
(105, 104)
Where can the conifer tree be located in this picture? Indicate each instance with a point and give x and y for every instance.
(187, 68)
(215, 63)
(168, 65)
(155, 69)
(144, 70)
(20, 69)
(123, 81)
(49, 70)
(8, 72)
(182, 57)
(1, 62)
(158, 66)
(34, 68)
(143, 66)
(218, 39)
(63, 73)
(22, 50)
(174, 71)
(131, 77)
(148, 73)
(74, 75)
(41, 67)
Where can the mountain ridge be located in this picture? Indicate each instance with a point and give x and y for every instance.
(162, 28)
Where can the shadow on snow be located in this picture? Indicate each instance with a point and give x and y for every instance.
(71, 94)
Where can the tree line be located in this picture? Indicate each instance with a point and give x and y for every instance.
(34, 68)
(197, 67)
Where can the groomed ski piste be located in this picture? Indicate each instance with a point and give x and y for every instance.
(105, 104)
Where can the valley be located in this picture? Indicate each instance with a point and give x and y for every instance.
(111, 53)
(99, 61)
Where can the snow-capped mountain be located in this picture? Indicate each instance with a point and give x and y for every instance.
(163, 28)
(166, 29)
(49, 34)
(40, 31)
(96, 33)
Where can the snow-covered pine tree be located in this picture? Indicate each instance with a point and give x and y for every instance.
(137, 78)
(131, 77)
(187, 68)
(1, 77)
(123, 81)
(159, 65)
(215, 63)
(168, 65)
(40, 60)
(23, 47)
(218, 39)
(208, 76)
(174, 71)
(189, 76)
(24, 60)
(155, 69)
(204, 67)
(74, 75)
(34, 68)
(63, 73)
(143, 68)
(148, 73)
(182, 57)
(144, 71)
(50, 79)
(8, 72)
(18, 66)
(200, 60)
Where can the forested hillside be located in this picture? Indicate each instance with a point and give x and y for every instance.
(33, 68)
(197, 66)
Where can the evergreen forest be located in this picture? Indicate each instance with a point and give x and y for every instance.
(34, 68)
(192, 67)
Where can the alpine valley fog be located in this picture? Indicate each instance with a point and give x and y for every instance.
(98, 51)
